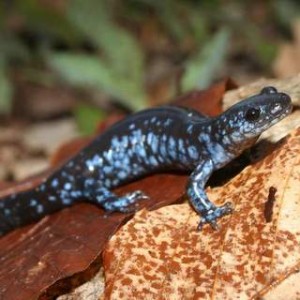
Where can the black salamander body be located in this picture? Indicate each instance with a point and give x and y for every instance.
(153, 140)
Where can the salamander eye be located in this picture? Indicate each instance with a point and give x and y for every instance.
(269, 90)
(252, 114)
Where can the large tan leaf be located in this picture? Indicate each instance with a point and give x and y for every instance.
(161, 255)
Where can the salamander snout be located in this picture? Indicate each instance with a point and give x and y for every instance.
(282, 105)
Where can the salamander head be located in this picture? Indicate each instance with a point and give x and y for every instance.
(247, 119)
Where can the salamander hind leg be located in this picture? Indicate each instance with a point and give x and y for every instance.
(97, 194)
(126, 204)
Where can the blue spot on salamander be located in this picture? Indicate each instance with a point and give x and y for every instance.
(67, 186)
(55, 183)
(193, 152)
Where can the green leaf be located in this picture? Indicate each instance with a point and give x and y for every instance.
(202, 68)
(88, 118)
(168, 12)
(120, 69)
(87, 71)
(11, 47)
(5, 89)
(199, 25)
(266, 51)
(46, 21)
(263, 47)
(93, 18)
(286, 11)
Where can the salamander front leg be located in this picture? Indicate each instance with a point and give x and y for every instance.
(198, 198)
(100, 195)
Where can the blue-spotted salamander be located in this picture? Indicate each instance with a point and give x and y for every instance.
(157, 139)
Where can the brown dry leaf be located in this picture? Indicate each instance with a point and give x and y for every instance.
(161, 255)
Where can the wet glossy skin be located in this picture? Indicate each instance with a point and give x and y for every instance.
(159, 139)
